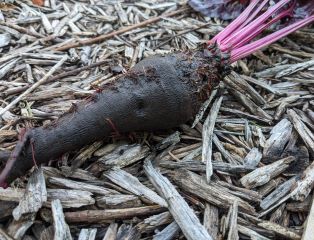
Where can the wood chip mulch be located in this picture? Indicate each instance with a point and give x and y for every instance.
(256, 130)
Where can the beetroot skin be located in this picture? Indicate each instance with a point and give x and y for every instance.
(160, 92)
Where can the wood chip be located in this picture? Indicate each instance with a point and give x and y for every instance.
(179, 209)
(132, 184)
(61, 228)
(34, 196)
(264, 174)
(208, 131)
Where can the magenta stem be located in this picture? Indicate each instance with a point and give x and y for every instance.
(252, 27)
(236, 23)
(259, 29)
(244, 51)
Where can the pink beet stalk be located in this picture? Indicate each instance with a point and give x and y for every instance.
(251, 27)
(254, 46)
(235, 38)
(257, 11)
(236, 23)
(262, 27)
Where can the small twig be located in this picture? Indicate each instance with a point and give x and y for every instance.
(34, 86)
(168, 39)
(120, 31)
(21, 29)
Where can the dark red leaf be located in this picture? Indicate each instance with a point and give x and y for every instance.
(304, 9)
(230, 9)
(223, 9)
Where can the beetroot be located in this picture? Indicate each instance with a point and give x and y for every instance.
(160, 92)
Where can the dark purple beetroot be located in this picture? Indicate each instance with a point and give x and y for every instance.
(160, 92)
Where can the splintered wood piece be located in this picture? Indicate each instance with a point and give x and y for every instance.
(34, 197)
(278, 194)
(5, 39)
(308, 232)
(223, 151)
(304, 184)
(305, 133)
(270, 186)
(302, 207)
(171, 140)
(66, 183)
(130, 154)
(198, 166)
(88, 234)
(281, 201)
(278, 215)
(246, 194)
(253, 158)
(111, 233)
(203, 108)
(211, 217)
(6, 67)
(233, 218)
(76, 174)
(252, 234)
(261, 83)
(128, 232)
(295, 68)
(11, 194)
(280, 230)
(168, 233)
(179, 209)
(279, 136)
(132, 184)
(118, 201)
(263, 175)
(61, 228)
(107, 149)
(70, 198)
(151, 223)
(239, 83)
(85, 154)
(207, 135)
(17, 229)
(96, 216)
(250, 105)
(214, 194)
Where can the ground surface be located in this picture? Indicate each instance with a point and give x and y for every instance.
(263, 140)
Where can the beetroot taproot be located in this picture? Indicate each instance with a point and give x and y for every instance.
(159, 92)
